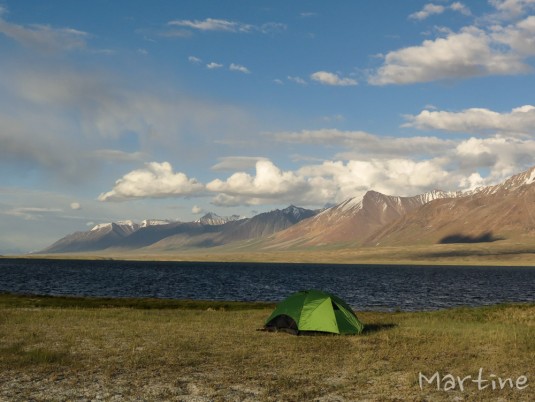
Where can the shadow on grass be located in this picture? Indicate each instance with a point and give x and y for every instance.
(368, 329)
(373, 328)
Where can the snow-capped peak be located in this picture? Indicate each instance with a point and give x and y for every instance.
(126, 226)
(101, 226)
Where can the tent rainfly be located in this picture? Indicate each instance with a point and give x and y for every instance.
(314, 311)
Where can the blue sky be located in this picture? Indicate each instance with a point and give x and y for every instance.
(113, 110)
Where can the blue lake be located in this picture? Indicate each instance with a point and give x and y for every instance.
(365, 287)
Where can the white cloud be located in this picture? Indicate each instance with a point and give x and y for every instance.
(297, 80)
(268, 185)
(503, 156)
(31, 213)
(195, 60)
(396, 166)
(44, 37)
(196, 210)
(436, 9)
(461, 8)
(476, 120)
(154, 181)
(428, 10)
(75, 206)
(213, 24)
(278, 81)
(512, 8)
(326, 78)
(389, 176)
(239, 68)
(520, 37)
(471, 52)
(213, 65)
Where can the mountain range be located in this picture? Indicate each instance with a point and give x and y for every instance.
(486, 214)
(209, 231)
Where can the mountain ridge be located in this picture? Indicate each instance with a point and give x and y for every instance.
(209, 230)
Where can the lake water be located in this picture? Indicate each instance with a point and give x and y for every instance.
(365, 287)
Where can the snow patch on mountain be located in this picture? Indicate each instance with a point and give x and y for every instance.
(212, 218)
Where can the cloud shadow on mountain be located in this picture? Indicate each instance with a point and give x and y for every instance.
(487, 237)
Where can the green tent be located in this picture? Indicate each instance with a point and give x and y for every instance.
(314, 311)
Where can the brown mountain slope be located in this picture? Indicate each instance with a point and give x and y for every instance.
(352, 221)
(504, 211)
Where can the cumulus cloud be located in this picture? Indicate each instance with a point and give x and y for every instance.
(269, 182)
(519, 37)
(511, 8)
(476, 120)
(326, 78)
(471, 52)
(196, 210)
(503, 156)
(490, 48)
(239, 68)
(75, 206)
(389, 176)
(156, 180)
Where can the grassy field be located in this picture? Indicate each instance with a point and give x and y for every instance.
(126, 349)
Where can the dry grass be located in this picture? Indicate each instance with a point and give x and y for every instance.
(117, 353)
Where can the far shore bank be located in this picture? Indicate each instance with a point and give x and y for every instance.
(484, 254)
